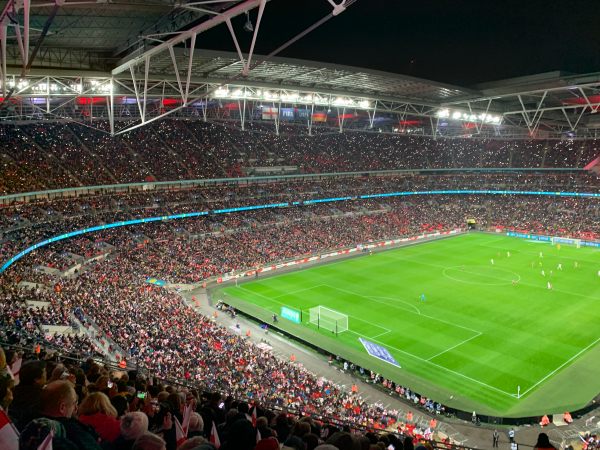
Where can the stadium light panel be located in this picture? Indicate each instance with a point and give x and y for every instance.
(106, 88)
(291, 97)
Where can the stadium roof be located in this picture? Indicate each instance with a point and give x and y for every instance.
(275, 72)
(146, 51)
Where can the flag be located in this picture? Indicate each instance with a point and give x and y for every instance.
(15, 368)
(270, 113)
(9, 438)
(319, 117)
(214, 436)
(187, 414)
(180, 436)
(254, 417)
(47, 443)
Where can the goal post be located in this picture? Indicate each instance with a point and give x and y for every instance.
(328, 319)
(562, 240)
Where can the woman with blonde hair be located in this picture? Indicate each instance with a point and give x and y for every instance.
(97, 411)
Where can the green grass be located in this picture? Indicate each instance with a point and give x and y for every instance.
(476, 337)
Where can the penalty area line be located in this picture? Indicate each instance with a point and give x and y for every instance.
(462, 375)
(454, 346)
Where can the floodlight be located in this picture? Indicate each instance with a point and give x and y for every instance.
(248, 25)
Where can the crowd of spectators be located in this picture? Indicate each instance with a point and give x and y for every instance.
(89, 405)
(44, 218)
(151, 327)
(67, 154)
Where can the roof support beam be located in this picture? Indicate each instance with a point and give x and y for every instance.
(200, 28)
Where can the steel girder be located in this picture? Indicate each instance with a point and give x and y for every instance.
(61, 96)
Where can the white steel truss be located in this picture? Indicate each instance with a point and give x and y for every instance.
(140, 67)
(536, 114)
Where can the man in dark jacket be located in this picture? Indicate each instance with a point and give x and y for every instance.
(59, 402)
(27, 395)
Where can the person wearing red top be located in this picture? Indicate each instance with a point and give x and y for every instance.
(97, 411)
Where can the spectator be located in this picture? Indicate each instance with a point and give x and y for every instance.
(196, 427)
(241, 436)
(149, 441)
(59, 403)
(192, 443)
(133, 426)
(269, 443)
(543, 443)
(36, 431)
(27, 401)
(97, 411)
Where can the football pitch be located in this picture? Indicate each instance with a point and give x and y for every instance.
(490, 334)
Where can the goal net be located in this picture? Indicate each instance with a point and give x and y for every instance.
(555, 240)
(328, 319)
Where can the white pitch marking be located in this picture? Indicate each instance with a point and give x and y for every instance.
(454, 346)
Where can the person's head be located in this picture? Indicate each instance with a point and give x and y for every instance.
(58, 373)
(34, 433)
(32, 372)
(175, 400)
(149, 441)
(97, 402)
(341, 440)
(59, 399)
(7, 385)
(102, 383)
(300, 429)
(2, 359)
(196, 422)
(543, 441)
(262, 422)
(134, 425)
(242, 435)
(120, 404)
(269, 443)
(295, 443)
(193, 443)
(311, 440)
(190, 397)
